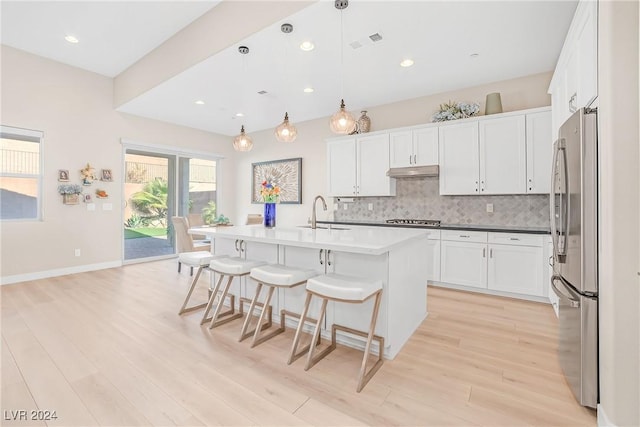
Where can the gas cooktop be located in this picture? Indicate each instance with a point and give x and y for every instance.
(415, 222)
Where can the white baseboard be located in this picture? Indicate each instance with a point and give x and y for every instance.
(603, 420)
(7, 280)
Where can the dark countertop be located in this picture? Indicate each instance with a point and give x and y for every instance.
(467, 227)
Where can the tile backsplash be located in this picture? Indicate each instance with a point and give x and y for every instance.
(419, 198)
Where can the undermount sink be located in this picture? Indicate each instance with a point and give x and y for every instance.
(324, 227)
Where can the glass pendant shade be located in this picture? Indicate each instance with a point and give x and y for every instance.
(286, 132)
(342, 122)
(242, 142)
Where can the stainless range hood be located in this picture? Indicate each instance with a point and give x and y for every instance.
(413, 171)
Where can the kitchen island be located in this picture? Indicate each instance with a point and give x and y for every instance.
(397, 257)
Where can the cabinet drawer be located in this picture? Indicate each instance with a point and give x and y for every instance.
(516, 239)
(434, 235)
(464, 236)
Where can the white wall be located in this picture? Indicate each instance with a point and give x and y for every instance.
(74, 109)
(618, 50)
(517, 94)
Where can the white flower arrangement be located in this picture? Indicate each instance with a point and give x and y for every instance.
(455, 110)
(69, 189)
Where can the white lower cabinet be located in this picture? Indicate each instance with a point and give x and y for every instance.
(433, 256)
(503, 262)
(464, 258)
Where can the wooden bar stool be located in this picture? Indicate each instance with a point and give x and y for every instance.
(230, 267)
(200, 259)
(335, 287)
(272, 276)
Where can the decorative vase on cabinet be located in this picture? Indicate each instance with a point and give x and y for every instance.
(269, 215)
(364, 123)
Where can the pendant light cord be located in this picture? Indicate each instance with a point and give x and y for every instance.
(341, 56)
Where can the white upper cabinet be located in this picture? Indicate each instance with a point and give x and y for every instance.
(575, 81)
(400, 149)
(341, 165)
(417, 147)
(425, 146)
(358, 167)
(539, 152)
(503, 155)
(459, 164)
(372, 166)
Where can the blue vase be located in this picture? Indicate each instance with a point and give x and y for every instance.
(269, 215)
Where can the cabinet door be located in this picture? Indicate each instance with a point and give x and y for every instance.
(464, 263)
(400, 149)
(516, 269)
(268, 253)
(341, 167)
(425, 146)
(292, 299)
(587, 52)
(539, 152)
(372, 166)
(503, 156)
(433, 260)
(458, 152)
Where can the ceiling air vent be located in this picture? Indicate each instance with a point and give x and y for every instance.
(355, 45)
(376, 37)
(262, 92)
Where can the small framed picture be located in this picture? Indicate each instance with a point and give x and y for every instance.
(106, 175)
(63, 175)
(87, 198)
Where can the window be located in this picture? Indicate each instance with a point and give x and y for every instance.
(20, 173)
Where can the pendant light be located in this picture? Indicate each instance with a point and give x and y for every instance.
(243, 142)
(286, 132)
(342, 122)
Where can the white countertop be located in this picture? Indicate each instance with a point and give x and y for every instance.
(365, 240)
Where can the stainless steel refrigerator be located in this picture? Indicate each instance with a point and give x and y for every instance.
(574, 231)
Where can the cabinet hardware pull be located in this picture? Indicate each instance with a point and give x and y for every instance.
(236, 245)
(551, 262)
(320, 255)
(484, 252)
(242, 245)
(415, 159)
(466, 236)
(329, 257)
(491, 253)
(410, 161)
(514, 238)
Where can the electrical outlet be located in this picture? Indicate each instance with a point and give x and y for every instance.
(77, 252)
(370, 206)
(490, 207)
(345, 206)
(107, 206)
(335, 207)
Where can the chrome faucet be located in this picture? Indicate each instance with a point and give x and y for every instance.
(313, 213)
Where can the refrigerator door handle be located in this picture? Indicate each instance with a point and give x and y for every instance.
(575, 303)
(552, 204)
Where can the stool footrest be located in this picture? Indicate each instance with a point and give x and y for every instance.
(267, 325)
(225, 316)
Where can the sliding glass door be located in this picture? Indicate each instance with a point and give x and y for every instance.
(158, 186)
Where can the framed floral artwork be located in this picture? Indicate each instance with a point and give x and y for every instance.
(285, 174)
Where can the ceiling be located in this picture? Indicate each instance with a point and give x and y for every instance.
(509, 39)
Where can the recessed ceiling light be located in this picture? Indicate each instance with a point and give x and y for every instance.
(308, 90)
(71, 39)
(239, 115)
(200, 102)
(406, 63)
(307, 46)
(474, 55)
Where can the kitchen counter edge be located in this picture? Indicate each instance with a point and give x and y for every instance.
(467, 227)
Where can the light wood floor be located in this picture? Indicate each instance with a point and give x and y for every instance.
(107, 348)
